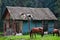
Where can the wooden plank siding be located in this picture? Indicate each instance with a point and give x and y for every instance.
(50, 26)
(6, 21)
(25, 28)
(20, 25)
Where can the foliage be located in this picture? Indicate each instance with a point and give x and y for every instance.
(54, 5)
(31, 3)
(58, 7)
(51, 4)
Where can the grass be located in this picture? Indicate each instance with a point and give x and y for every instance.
(26, 37)
(1, 32)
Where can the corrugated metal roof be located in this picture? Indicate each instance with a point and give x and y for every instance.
(37, 13)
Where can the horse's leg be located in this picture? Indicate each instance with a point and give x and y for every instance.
(35, 35)
(53, 33)
(58, 34)
(31, 34)
(42, 33)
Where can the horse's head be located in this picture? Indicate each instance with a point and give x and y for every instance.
(41, 29)
(55, 30)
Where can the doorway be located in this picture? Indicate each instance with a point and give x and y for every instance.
(19, 26)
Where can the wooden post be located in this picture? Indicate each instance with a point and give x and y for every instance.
(4, 28)
(43, 24)
(8, 23)
(29, 25)
(55, 24)
(14, 26)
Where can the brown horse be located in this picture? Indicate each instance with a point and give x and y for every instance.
(56, 31)
(36, 30)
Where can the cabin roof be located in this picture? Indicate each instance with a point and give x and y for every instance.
(37, 13)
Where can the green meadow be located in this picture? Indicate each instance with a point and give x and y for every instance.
(27, 37)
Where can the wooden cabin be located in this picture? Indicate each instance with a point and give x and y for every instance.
(23, 19)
